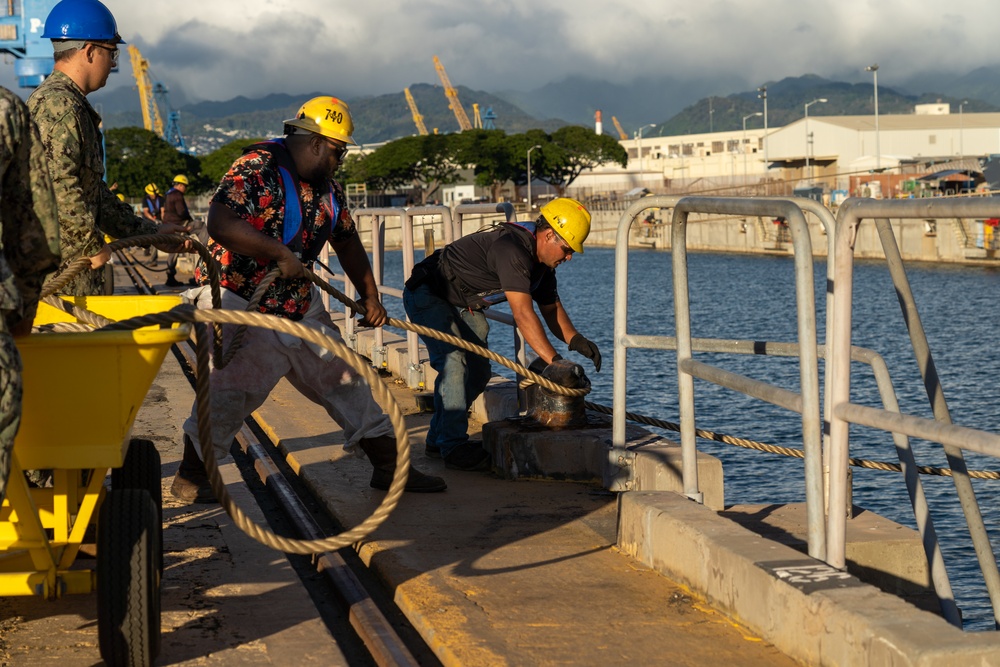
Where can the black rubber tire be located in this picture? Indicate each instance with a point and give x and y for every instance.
(128, 579)
(109, 279)
(141, 470)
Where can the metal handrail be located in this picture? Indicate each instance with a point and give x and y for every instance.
(954, 439)
(451, 225)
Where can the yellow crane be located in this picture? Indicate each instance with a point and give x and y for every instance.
(618, 126)
(151, 119)
(452, 95)
(477, 120)
(418, 120)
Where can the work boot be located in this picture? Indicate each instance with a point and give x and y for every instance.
(191, 483)
(172, 281)
(381, 452)
(468, 456)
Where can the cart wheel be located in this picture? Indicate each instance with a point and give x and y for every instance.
(109, 278)
(128, 578)
(141, 470)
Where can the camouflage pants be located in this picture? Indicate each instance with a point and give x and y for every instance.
(10, 404)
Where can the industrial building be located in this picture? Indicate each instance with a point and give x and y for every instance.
(929, 152)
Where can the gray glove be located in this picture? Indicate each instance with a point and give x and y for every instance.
(588, 349)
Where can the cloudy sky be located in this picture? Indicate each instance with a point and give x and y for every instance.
(218, 49)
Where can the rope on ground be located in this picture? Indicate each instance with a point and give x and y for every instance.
(785, 451)
(188, 313)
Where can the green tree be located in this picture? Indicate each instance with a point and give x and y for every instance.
(491, 155)
(427, 161)
(136, 157)
(573, 149)
(215, 165)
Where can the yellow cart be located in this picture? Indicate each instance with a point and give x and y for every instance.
(81, 395)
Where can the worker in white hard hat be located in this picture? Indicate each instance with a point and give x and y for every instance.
(277, 207)
(85, 42)
(448, 291)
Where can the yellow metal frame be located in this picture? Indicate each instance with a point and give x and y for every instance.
(81, 394)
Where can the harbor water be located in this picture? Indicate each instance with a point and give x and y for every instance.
(753, 297)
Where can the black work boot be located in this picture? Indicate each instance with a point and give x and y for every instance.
(191, 483)
(381, 452)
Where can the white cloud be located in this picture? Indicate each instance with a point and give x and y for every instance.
(222, 48)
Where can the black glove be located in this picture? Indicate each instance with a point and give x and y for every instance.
(539, 365)
(588, 349)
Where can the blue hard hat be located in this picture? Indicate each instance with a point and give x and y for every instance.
(82, 19)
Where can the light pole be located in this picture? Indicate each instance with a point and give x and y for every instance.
(878, 149)
(808, 137)
(763, 95)
(744, 144)
(961, 130)
(529, 175)
(639, 134)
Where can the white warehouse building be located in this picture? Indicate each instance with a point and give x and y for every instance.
(825, 151)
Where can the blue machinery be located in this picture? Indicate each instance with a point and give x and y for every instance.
(21, 26)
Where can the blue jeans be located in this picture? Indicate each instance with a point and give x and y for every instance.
(462, 376)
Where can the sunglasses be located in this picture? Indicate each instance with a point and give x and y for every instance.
(338, 150)
(112, 51)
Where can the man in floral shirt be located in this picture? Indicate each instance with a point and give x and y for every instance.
(277, 207)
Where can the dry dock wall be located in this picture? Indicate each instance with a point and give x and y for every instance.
(951, 240)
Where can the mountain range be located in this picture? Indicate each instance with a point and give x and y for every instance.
(673, 106)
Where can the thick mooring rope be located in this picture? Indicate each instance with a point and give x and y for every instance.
(218, 316)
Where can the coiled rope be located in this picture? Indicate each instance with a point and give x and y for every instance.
(217, 317)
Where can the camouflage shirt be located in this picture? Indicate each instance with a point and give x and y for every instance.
(71, 133)
(30, 229)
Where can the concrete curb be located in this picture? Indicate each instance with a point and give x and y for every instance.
(805, 608)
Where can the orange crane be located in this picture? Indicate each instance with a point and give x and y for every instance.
(452, 95)
(618, 126)
(418, 120)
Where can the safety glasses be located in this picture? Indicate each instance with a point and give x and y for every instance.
(112, 51)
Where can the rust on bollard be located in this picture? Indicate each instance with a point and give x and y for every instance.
(553, 410)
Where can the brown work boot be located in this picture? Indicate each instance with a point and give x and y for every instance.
(191, 483)
(381, 452)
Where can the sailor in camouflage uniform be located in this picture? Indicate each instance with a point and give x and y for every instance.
(30, 235)
(85, 41)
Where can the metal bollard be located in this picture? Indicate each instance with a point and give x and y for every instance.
(553, 410)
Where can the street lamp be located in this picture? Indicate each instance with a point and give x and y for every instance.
(961, 130)
(763, 95)
(878, 150)
(639, 133)
(529, 175)
(808, 137)
(744, 145)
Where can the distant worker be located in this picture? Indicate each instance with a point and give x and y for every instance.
(152, 209)
(448, 291)
(277, 207)
(85, 42)
(175, 211)
(152, 204)
(29, 228)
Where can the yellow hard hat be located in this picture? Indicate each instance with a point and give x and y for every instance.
(121, 197)
(327, 116)
(570, 219)
(151, 189)
(181, 178)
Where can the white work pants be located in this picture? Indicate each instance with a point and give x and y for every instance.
(267, 356)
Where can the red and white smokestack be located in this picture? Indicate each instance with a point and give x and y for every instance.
(598, 126)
